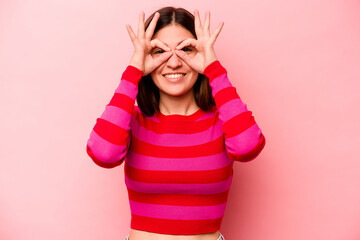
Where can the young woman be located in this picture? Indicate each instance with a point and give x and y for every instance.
(180, 141)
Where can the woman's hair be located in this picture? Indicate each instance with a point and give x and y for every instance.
(148, 94)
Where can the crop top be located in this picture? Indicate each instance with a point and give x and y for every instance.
(178, 168)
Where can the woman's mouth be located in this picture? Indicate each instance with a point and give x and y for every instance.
(173, 77)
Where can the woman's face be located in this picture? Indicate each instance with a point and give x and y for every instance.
(174, 77)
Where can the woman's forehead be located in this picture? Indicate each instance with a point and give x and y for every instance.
(173, 34)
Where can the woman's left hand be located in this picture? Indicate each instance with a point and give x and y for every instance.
(204, 45)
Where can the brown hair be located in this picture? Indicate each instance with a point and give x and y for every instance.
(148, 95)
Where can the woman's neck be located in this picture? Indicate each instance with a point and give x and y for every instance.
(182, 105)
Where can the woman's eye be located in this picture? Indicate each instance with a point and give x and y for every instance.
(186, 49)
(158, 51)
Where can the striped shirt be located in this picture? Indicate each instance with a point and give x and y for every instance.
(178, 169)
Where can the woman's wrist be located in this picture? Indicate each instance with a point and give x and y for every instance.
(136, 66)
(210, 58)
(137, 63)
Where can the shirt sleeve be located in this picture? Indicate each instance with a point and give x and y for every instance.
(243, 137)
(110, 138)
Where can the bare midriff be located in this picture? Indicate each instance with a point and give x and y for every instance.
(143, 235)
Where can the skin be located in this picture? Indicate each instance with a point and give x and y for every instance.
(173, 49)
(176, 95)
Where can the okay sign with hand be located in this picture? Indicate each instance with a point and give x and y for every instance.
(204, 44)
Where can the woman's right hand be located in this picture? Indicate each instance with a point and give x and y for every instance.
(142, 58)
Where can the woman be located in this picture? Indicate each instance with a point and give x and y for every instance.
(180, 142)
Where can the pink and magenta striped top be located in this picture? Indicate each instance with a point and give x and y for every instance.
(178, 169)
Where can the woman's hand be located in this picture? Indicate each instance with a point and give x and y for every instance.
(143, 45)
(204, 45)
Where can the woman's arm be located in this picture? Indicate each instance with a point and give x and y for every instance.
(110, 138)
(243, 138)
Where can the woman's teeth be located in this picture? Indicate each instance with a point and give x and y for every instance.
(178, 75)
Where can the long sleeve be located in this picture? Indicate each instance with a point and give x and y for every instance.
(110, 138)
(243, 137)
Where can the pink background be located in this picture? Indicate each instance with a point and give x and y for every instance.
(295, 63)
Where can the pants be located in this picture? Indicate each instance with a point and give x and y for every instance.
(221, 237)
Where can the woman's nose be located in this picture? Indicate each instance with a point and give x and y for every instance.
(174, 61)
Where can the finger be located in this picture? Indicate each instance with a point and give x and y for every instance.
(183, 56)
(198, 28)
(141, 25)
(162, 58)
(131, 32)
(207, 24)
(152, 25)
(217, 32)
(160, 44)
(187, 42)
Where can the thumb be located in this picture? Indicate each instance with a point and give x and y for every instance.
(162, 58)
(194, 62)
(183, 56)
